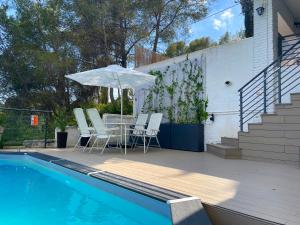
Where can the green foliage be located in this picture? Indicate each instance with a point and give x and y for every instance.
(111, 108)
(168, 17)
(180, 48)
(224, 39)
(2, 118)
(42, 41)
(200, 43)
(116, 108)
(61, 118)
(17, 127)
(187, 103)
(176, 49)
(247, 10)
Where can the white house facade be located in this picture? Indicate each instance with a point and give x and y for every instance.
(228, 67)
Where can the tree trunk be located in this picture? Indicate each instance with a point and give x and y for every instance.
(111, 96)
(103, 98)
(155, 43)
(157, 33)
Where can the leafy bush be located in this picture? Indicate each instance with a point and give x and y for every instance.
(61, 118)
(2, 118)
(110, 107)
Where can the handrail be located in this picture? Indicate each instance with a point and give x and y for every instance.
(272, 83)
(276, 60)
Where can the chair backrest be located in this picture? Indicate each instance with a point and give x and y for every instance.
(97, 121)
(140, 123)
(154, 124)
(81, 121)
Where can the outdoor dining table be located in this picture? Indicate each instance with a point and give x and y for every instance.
(123, 125)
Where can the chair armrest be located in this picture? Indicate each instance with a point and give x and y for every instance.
(154, 132)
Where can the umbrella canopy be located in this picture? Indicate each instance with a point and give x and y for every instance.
(114, 76)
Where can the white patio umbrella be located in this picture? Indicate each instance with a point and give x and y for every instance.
(114, 76)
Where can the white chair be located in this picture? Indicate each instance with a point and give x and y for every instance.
(101, 131)
(84, 129)
(151, 131)
(138, 127)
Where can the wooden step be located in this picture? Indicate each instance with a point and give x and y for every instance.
(224, 151)
(230, 141)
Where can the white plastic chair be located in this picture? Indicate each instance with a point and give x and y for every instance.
(101, 131)
(138, 127)
(151, 131)
(84, 129)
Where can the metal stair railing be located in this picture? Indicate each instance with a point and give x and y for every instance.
(272, 83)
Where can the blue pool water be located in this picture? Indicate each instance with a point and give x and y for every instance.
(32, 194)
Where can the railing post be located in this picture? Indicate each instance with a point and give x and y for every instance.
(279, 82)
(265, 91)
(241, 111)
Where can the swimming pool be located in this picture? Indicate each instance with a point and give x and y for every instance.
(33, 191)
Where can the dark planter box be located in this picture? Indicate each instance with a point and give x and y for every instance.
(188, 137)
(62, 139)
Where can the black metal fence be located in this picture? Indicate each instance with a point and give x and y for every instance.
(25, 126)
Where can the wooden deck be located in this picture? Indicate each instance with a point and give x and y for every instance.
(266, 190)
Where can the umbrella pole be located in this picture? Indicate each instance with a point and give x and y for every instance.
(121, 91)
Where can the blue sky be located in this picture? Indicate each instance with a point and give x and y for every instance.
(215, 26)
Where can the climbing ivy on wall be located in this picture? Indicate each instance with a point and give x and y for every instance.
(179, 93)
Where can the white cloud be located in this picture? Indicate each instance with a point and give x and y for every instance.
(227, 15)
(218, 24)
(223, 20)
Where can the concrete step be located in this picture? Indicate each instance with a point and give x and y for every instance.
(277, 137)
(283, 106)
(295, 97)
(230, 141)
(262, 140)
(263, 133)
(224, 151)
(275, 126)
(275, 118)
(292, 111)
(272, 118)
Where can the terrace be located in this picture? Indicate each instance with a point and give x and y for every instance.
(266, 190)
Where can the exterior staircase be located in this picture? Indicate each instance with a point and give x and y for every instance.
(228, 148)
(277, 137)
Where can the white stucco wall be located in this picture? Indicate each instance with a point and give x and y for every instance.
(264, 35)
(230, 62)
(277, 18)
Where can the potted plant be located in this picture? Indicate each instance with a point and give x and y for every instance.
(61, 120)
